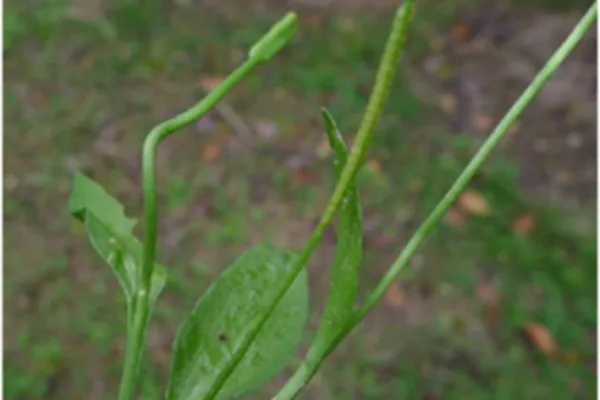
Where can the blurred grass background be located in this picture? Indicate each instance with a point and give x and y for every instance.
(499, 304)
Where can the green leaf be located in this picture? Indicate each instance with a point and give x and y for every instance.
(114, 250)
(111, 235)
(274, 40)
(211, 337)
(345, 272)
(124, 255)
(87, 195)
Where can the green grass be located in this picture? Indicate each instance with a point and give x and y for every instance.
(75, 85)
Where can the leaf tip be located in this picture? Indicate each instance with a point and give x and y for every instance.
(336, 141)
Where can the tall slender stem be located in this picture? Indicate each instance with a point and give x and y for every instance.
(135, 344)
(385, 75)
(156, 136)
(140, 305)
(464, 178)
(383, 81)
(474, 165)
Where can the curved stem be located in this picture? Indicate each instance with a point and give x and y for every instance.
(140, 303)
(156, 136)
(463, 180)
(266, 47)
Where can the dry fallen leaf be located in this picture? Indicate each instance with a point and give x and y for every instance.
(395, 297)
(210, 82)
(455, 218)
(474, 203)
(541, 338)
(524, 224)
(461, 32)
(483, 123)
(487, 293)
(211, 152)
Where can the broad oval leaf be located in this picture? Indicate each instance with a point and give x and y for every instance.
(211, 336)
(345, 274)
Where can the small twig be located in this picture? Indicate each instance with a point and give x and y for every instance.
(243, 130)
(241, 127)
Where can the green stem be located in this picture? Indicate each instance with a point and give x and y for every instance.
(463, 180)
(140, 307)
(153, 140)
(135, 342)
(392, 53)
(266, 47)
(474, 165)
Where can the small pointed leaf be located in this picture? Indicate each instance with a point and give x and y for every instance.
(124, 255)
(345, 273)
(110, 233)
(211, 337)
(87, 195)
(113, 249)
